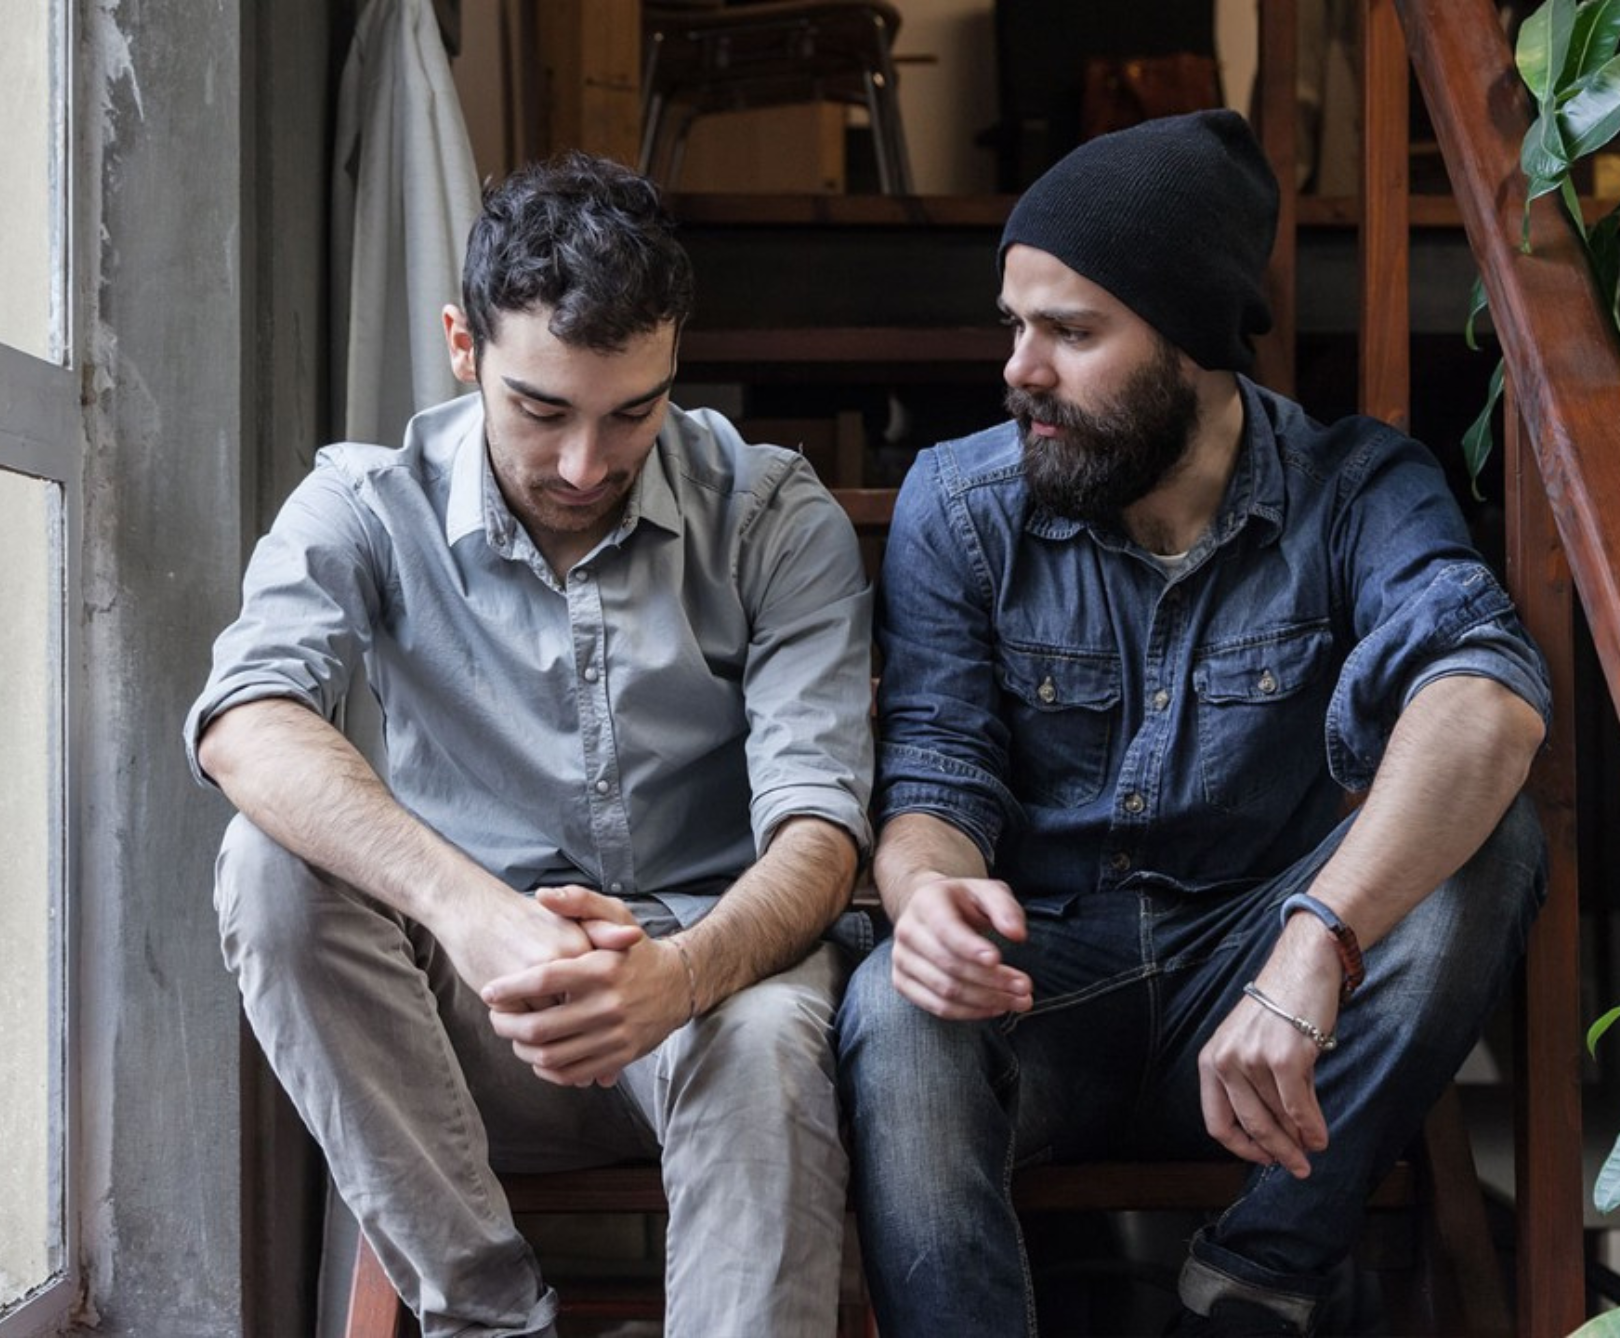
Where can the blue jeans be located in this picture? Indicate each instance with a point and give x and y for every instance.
(1128, 987)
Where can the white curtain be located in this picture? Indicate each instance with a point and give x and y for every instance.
(404, 193)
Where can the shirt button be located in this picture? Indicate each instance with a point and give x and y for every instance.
(1120, 863)
(602, 787)
(580, 574)
(590, 673)
(1047, 691)
(1161, 699)
(615, 888)
(1267, 684)
(1134, 803)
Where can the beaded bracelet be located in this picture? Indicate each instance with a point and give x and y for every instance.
(1323, 1040)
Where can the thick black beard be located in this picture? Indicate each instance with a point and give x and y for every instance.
(1107, 458)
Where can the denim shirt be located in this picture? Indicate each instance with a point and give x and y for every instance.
(1093, 718)
(641, 727)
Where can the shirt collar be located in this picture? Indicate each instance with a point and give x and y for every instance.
(653, 498)
(476, 502)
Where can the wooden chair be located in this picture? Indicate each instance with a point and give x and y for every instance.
(1439, 1278)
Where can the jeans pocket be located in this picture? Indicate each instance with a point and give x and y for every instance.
(1262, 707)
(1062, 708)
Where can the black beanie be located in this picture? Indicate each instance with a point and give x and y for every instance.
(1175, 217)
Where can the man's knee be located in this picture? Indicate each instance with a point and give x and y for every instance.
(1506, 878)
(267, 897)
(776, 1033)
(890, 1049)
(1458, 945)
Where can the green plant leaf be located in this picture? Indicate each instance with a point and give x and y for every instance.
(1606, 1192)
(1538, 187)
(1543, 155)
(1572, 202)
(1477, 303)
(1479, 439)
(1591, 118)
(1543, 47)
(1593, 39)
(1603, 245)
(1604, 1325)
(1594, 1033)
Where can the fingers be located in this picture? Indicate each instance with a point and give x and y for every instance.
(578, 1041)
(609, 1008)
(611, 935)
(1258, 1093)
(1240, 1118)
(961, 997)
(517, 992)
(581, 903)
(943, 960)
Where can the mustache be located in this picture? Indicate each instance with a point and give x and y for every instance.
(1027, 405)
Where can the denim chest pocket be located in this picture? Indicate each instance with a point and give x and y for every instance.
(1262, 704)
(1061, 710)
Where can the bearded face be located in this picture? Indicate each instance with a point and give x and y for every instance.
(1090, 464)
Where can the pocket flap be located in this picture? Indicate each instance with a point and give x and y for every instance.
(1050, 680)
(1262, 671)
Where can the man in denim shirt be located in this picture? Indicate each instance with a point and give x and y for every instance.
(622, 657)
(1137, 644)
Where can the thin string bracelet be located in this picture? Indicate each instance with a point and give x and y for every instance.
(691, 977)
(1322, 1040)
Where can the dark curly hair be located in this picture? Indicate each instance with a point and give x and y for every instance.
(587, 239)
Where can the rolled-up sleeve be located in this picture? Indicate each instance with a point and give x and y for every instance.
(310, 596)
(807, 679)
(1425, 607)
(944, 744)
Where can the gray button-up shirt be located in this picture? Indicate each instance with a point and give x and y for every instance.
(641, 727)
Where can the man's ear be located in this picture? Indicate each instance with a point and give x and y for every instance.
(458, 337)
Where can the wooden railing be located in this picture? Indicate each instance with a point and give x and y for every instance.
(1562, 478)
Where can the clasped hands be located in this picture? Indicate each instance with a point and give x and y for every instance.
(575, 984)
(1256, 1074)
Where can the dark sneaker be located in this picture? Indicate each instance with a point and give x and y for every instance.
(1233, 1318)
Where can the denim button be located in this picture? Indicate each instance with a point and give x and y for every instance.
(1121, 862)
(1134, 803)
(1047, 691)
(1161, 699)
(1268, 684)
(602, 787)
(590, 673)
(615, 887)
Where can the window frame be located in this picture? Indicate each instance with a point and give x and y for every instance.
(42, 437)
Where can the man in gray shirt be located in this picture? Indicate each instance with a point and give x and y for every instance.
(622, 660)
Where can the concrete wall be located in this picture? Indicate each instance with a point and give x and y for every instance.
(159, 298)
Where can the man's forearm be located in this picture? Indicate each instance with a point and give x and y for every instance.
(1459, 754)
(297, 778)
(919, 845)
(769, 918)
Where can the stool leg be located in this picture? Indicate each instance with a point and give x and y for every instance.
(374, 1307)
(883, 109)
